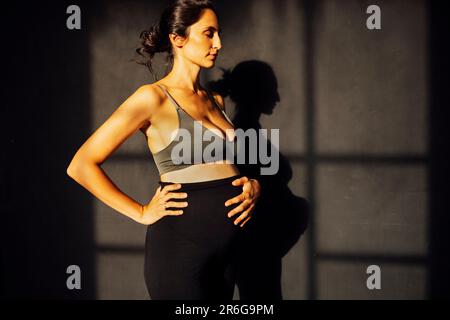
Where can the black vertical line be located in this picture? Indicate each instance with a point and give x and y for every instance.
(439, 135)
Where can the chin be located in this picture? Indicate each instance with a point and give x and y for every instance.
(210, 65)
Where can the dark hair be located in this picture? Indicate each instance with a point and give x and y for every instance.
(176, 18)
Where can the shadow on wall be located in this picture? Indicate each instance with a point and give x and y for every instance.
(280, 217)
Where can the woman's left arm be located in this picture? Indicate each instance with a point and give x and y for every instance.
(251, 191)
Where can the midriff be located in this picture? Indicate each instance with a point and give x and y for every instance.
(201, 172)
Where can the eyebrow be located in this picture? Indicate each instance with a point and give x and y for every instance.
(213, 28)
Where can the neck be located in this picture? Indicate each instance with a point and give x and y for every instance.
(185, 75)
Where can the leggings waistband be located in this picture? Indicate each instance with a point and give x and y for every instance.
(202, 184)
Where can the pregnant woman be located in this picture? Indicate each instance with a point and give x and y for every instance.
(197, 214)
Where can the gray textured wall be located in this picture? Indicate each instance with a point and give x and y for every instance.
(353, 124)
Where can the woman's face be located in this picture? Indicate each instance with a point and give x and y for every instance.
(203, 40)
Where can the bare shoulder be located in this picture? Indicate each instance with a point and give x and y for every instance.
(219, 99)
(150, 94)
(146, 100)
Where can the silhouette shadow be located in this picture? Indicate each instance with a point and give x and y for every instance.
(280, 217)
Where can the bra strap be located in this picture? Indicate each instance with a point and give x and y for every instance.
(223, 112)
(168, 95)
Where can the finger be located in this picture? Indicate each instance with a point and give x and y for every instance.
(241, 217)
(248, 189)
(240, 181)
(247, 195)
(173, 212)
(245, 221)
(244, 215)
(239, 208)
(173, 204)
(236, 199)
(174, 195)
(170, 187)
(158, 190)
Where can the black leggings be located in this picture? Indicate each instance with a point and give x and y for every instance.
(191, 256)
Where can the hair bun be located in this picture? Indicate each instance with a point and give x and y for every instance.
(151, 40)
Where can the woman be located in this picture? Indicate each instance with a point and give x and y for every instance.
(196, 215)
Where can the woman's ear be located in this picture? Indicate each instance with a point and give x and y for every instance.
(177, 40)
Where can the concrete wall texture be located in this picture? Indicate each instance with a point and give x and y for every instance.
(368, 96)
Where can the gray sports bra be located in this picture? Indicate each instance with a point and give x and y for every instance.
(163, 158)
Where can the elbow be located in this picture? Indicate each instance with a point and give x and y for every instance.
(79, 167)
(71, 169)
(74, 169)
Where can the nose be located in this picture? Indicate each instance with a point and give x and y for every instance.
(217, 43)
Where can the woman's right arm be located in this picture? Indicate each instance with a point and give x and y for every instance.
(85, 167)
